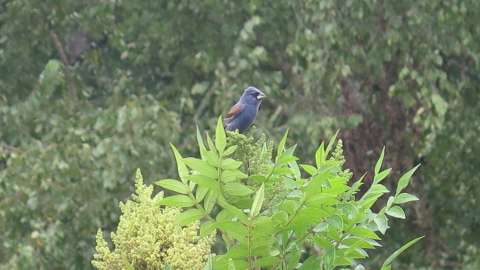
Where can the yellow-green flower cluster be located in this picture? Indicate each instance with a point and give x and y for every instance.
(338, 156)
(148, 237)
(256, 154)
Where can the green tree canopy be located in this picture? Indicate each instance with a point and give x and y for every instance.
(91, 90)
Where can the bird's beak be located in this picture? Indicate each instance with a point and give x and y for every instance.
(261, 96)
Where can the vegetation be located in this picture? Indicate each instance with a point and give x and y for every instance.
(148, 237)
(92, 90)
(273, 218)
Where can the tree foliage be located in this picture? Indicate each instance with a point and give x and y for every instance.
(124, 78)
(57, 176)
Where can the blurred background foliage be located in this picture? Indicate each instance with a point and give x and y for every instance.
(91, 90)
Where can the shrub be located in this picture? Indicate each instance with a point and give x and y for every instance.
(268, 212)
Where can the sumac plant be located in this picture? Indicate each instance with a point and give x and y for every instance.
(270, 211)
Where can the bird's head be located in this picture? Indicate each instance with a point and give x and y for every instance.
(252, 95)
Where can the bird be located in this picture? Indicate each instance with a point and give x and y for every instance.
(241, 116)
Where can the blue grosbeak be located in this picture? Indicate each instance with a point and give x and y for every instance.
(243, 113)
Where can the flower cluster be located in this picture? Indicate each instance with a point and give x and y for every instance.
(338, 156)
(148, 237)
(255, 153)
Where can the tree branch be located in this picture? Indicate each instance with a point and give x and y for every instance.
(66, 64)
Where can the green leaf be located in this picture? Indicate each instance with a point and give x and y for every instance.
(311, 263)
(396, 211)
(374, 243)
(189, 216)
(320, 155)
(367, 202)
(201, 145)
(231, 209)
(378, 165)
(356, 186)
(230, 150)
(405, 179)
(258, 201)
(293, 257)
(306, 217)
(282, 171)
(289, 206)
(210, 143)
(364, 232)
(335, 222)
(390, 202)
(210, 201)
(178, 201)
(295, 169)
(182, 169)
(258, 178)
(404, 198)
(309, 169)
(358, 253)
(330, 143)
(231, 164)
(281, 145)
(377, 189)
(200, 193)
(280, 218)
(207, 227)
(319, 199)
(224, 215)
(268, 261)
(237, 189)
(202, 167)
(286, 158)
(329, 258)
(204, 181)
(382, 222)
(231, 265)
(191, 186)
(232, 175)
(174, 185)
(211, 157)
(234, 229)
(379, 177)
(220, 137)
(399, 251)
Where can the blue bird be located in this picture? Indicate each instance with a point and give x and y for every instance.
(243, 113)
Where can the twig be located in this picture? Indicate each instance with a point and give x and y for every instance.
(66, 64)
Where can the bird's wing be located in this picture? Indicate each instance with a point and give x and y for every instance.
(234, 111)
